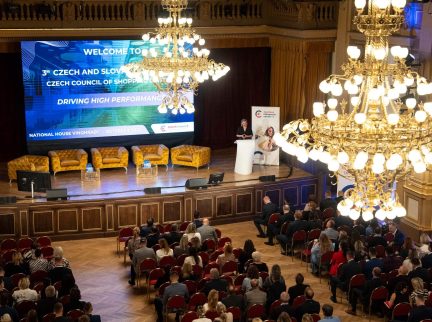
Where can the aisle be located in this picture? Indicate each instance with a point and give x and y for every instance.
(102, 276)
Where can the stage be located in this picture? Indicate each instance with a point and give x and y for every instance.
(118, 200)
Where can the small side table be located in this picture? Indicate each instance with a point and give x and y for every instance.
(90, 176)
(150, 172)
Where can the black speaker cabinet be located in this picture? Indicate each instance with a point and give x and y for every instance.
(152, 191)
(56, 194)
(267, 178)
(196, 183)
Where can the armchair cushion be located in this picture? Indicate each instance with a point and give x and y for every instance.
(157, 154)
(185, 157)
(110, 160)
(29, 163)
(69, 163)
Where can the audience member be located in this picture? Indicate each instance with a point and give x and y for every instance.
(328, 202)
(284, 317)
(174, 235)
(310, 306)
(58, 259)
(418, 271)
(38, 263)
(206, 231)
(5, 318)
(339, 257)
(371, 263)
(75, 302)
(370, 229)
(197, 221)
(32, 316)
(46, 305)
(399, 295)
(140, 254)
(17, 265)
(391, 261)
(193, 258)
(233, 299)
(153, 237)
(133, 242)
(425, 242)
(195, 242)
(88, 310)
(377, 238)
(427, 259)
(191, 232)
(251, 273)
(283, 307)
(320, 247)
(164, 249)
(227, 255)
(187, 272)
(359, 251)
(274, 228)
(420, 311)
(5, 308)
(296, 225)
(340, 196)
(342, 221)
(7, 281)
(331, 233)
(183, 247)
(274, 285)
(175, 288)
(212, 301)
(256, 257)
(399, 237)
(268, 209)
(223, 314)
(418, 289)
(348, 270)
(58, 311)
(327, 310)
(24, 293)
(363, 293)
(215, 282)
(147, 229)
(298, 289)
(307, 318)
(84, 318)
(408, 249)
(255, 295)
(3, 290)
(246, 254)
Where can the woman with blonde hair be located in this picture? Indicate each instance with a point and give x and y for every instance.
(187, 272)
(192, 232)
(418, 289)
(227, 255)
(183, 247)
(223, 314)
(284, 317)
(212, 301)
(425, 241)
(17, 265)
(24, 293)
(164, 250)
(320, 247)
(307, 318)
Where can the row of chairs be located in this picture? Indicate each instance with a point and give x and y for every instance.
(25, 306)
(24, 243)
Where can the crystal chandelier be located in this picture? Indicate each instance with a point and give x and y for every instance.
(179, 64)
(375, 124)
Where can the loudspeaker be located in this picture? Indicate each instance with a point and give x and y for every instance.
(7, 199)
(152, 191)
(267, 178)
(56, 194)
(196, 183)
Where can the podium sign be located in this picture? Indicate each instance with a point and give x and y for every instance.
(245, 156)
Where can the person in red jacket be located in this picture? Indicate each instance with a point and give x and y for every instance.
(338, 258)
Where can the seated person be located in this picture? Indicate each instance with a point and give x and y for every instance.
(274, 285)
(251, 273)
(262, 267)
(255, 295)
(233, 299)
(268, 209)
(298, 289)
(348, 270)
(24, 293)
(320, 247)
(191, 232)
(147, 229)
(164, 250)
(298, 224)
(215, 282)
(420, 311)
(88, 310)
(212, 301)
(310, 306)
(227, 255)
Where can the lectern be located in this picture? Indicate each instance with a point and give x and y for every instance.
(245, 155)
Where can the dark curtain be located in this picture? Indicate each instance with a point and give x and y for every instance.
(222, 104)
(12, 124)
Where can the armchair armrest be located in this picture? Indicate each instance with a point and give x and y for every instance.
(202, 154)
(137, 155)
(123, 154)
(122, 151)
(176, 151)
(96, 157)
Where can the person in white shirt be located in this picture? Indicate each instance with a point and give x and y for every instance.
(193, 258)
(24, 293)
(164, 250)
(191, 232)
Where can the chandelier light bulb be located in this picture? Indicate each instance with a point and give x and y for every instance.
(381, 214)
(353, 52)
(325, 157)
(391, 214)
(395, 51)
(382, 4)
(414, 155)
(337, 89)
(403, 53)
(358, 79)
(354, 214)
(422, 89)
(398, 3)
(411, 103)
(393, 93)
(324, 87)
(355, 101)
(419, 167)
(362, 156)
(201, 42)
(318, 109)
(391, 164)
(332, 115)
(360, 118)
(420, 116)
(314, 154)
(396, 158)
(146, 37)
(380, 53)
(360, 4)
(408, 80)
(393, 118)
(343, 157)
(333, 165)
(353, 89)
(428, 158)
(377, 168)
(332, 103)
(367, 215)
(379, 158)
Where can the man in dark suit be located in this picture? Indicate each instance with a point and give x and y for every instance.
(365, 292)
(298, 289)
(296, 225)
(274, 228)
(343, 221)
(283, 307)
(233, 299)
(46, 305)
(310, 306)
(418, 271)
(174, 235)
(215, 282)
(420, 311)
(377, 239)
(427, 260)
(328, 202)
(348, 270)
(175, 288)
(197, 221)
(268, 209)
(146, 229)
(371, 263)
(58, 311)
(399, 237)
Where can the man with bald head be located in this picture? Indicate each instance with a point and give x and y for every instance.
(207, 231)
(268, 209)
(283, 307)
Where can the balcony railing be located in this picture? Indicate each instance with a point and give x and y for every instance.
(35, 14)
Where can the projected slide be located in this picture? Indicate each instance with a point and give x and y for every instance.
(76, 90)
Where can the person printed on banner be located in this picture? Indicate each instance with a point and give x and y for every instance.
(267, 143)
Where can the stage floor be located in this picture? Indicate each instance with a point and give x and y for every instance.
(116, 183)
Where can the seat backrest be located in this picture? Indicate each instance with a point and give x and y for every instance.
(184, 225)
(229, 267)
(49, 317)
(38, 276)
(155, 274)
(175, 302)
(204, 257)
(298, 300)
(147, 264)
(273, 218)
(327, 213)
(24, 306)
(284, 228)
(210, 244)
(299, 236)
(43, 241)
(275, 304)
(315, 317)
(389, 237)
(237, 252)
(211, 315)
(239, 279)
(401, 311)
(47, 251)
(15, 278)
(218, 232)
(75, 314)
(25, 242)
(197, 270)
(167, 228)
(197, 299)
(313, 234)
(326, 257)
(357, 280)
(380, 293)
(167, 261)
(209, 266)
(380, 251)
(8, 244)
(222, 241)
(191, 286)
(255, 311)
(189, 316)
(213, 256)
(236, 312)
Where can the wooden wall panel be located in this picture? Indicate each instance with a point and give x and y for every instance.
(7, 224)
(149, 210)
(92, 218)
(306, 191)
(205, 206)
(43, 222)
(291, 195)
(172, 211)
(67, 220)
(224, 206)
(244, 203)
(127, 215)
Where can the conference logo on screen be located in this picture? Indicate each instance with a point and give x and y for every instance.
(258, 114)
